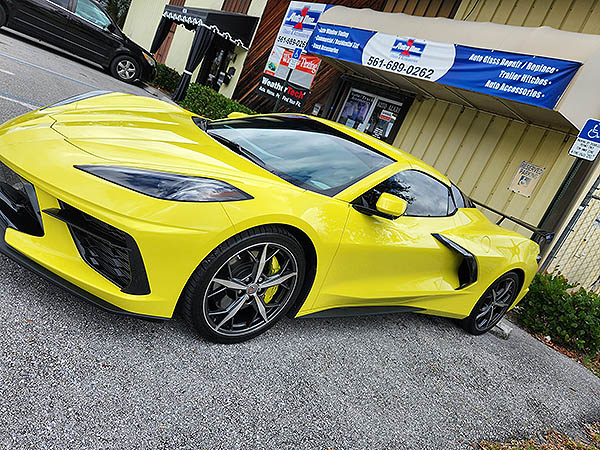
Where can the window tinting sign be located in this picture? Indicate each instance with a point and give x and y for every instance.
(526, 178)
(587, 144)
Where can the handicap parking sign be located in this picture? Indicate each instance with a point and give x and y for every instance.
(294, 58)
(587, 144)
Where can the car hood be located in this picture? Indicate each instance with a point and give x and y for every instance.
(131, 44)
(144, 132)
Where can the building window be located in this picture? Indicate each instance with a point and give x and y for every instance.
(376, 112)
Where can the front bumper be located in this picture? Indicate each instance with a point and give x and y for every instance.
(172, 238)
(37, 269)
(148, 72)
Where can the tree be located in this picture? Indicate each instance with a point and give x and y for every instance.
(117, 9)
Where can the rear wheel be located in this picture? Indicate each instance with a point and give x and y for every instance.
(245, 285)
(492, 305)
(125, 68)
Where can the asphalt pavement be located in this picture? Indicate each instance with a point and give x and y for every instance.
(73, 376)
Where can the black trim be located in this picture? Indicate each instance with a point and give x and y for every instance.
(37, 269)
(19, 206)
(353, 311)
(73, 218)
(467, 271)
(371, 212)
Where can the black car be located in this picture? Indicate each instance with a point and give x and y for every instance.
(83, 28)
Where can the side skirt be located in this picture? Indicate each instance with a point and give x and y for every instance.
(352, 311)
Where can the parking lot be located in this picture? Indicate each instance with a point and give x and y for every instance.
(76, 377)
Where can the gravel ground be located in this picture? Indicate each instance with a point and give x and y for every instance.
(76, 377)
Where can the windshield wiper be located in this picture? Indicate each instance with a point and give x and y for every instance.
(237, 148)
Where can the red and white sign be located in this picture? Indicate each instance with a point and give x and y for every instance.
(306, 63)
(304, 73)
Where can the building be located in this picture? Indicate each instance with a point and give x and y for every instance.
(480, 141)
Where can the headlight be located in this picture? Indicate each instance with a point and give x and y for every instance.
(150, 59)
(168, 186)
(77, 98)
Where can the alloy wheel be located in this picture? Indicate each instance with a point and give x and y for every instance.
(251, 289)
(496, 302)
(126, 69)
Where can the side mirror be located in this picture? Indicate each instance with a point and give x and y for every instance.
(391, 205)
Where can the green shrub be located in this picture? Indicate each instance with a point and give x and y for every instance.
(209, 103)
(166, 78)
(570, 317)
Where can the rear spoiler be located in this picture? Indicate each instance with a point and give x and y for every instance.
(540, 236)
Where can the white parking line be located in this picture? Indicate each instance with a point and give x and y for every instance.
(27, 105)
(35, 66)
(7, 72)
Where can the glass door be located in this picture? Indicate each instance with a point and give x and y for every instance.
(370, 113)
(356, 109)
(382, 118)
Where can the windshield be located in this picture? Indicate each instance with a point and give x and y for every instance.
(303, 151)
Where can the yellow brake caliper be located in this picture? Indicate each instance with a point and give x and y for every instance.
(274, 267)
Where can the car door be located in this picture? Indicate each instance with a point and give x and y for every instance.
(391, 261)
(44, 19)
(92, 32)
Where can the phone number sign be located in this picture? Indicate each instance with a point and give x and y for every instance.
(587, 144)
(531, 79)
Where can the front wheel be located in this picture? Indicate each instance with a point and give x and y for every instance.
(125, 68)
(492, 305)
(245, 285)
(3, 16)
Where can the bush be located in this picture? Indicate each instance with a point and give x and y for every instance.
(553, 308)
(166, 78)
(209, 103)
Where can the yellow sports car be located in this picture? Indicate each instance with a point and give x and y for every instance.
(141, 207)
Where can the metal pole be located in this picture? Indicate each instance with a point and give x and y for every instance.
(570, 225)
(285, 85)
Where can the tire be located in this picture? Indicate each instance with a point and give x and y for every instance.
(125, 68)
(3, 16)
(244, 306)
(495, 301)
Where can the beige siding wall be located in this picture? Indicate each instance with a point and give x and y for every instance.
(144, 16)
(481, 152)
(582, 16)
(143, 19)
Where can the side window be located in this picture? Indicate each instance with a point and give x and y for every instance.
(90, 12)
(63, 3)
(460, 199)
(426, 196)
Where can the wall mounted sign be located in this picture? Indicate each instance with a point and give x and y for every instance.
(587, 144)
(526, 178)
(535, 80)
(288, 53)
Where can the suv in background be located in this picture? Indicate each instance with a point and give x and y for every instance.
(83, 28)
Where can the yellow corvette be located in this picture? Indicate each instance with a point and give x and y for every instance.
(141, 206)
